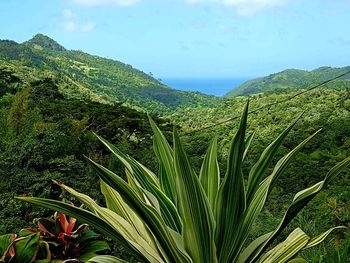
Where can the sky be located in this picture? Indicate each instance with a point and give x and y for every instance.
(191, 38)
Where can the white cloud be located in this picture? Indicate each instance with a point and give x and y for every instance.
(243, 7)
(69, 14)
(72, 26)
(107, 2)
(71, 22)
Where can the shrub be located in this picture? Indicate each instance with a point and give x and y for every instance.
(179, 216)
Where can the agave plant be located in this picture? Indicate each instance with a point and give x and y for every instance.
(179, 216)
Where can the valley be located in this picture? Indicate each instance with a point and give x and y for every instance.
(53, 100)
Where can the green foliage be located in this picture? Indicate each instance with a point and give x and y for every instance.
(325, 109)
(44, 136)
(292, 79)
(208, 232)
(50, 106)
(26, 247)
(83, 76)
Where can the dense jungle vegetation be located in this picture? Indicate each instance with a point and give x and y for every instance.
(52, 100)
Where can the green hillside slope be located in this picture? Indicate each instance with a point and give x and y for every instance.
(98, 79)
(292, 79)
(45, 136)
(324, 108)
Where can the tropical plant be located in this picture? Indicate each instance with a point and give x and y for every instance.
(68, 240)
(24, 247)
(57, 239)
(178, 216)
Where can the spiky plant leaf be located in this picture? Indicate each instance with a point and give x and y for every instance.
(248, 142)
(143, 240)
(149, 182)
(253, 246)
(319, 239)
(106, 259)
(301, 199)
(286, 249)
(165, 156)
(262, 192)
(150, 215)
(231, 199)
(194, 208)
(209, 175)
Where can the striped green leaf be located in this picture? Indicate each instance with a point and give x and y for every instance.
(194, 208)
(116, 203)
(337, 169)
(149, 181)
(150, 215)
(165, 156)
(297, 260)
(301, 199)
(319, 239)
(286, 249)
(264, 189)
(243, 257)
(210, 174)
(106, 259)
(248, 142)
(231, 199)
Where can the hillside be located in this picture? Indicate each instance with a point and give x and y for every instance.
(291, 79)
(325, 109)
(45, 135)
(84, 76)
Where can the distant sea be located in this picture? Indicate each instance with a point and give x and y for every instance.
(211, 86)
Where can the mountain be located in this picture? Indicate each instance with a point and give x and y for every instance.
(85, 76)
(40, 41)
(292, 79)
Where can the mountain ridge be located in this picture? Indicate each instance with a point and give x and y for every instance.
(291, 79)
(85, 76)
(96, 78)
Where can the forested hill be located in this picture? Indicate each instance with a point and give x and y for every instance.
(292, 79)
(81, 75)
(45, 136)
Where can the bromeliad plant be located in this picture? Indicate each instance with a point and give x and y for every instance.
(57, 239)
(68, 240)
(179, 216)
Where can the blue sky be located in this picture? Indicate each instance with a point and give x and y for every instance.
(192, 38)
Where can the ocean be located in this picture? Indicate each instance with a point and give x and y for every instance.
(211, 86)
